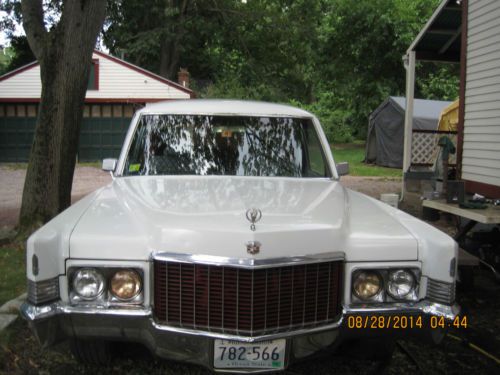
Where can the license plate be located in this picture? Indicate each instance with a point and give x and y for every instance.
(263, 354)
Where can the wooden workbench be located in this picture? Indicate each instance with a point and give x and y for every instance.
(489, 215)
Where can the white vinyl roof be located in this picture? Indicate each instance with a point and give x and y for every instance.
(223, 107)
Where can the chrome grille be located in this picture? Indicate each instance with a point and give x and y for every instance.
(440, 291)
(40, 292)
(247, 302)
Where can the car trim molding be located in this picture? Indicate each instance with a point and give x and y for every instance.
(34, 314)
(249, 263)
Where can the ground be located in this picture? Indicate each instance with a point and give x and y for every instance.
(21, 354)
(86, 180)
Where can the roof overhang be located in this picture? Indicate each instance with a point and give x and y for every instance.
(440, 38)
(118, 61)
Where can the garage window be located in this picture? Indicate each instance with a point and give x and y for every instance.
(93, 83)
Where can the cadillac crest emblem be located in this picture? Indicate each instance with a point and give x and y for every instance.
(253, 247)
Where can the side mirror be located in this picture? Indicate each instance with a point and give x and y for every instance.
(109, 165)
(342, 168)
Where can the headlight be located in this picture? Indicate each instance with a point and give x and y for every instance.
(88, 283)
(125, 284)
(367, 284)
(400, 283)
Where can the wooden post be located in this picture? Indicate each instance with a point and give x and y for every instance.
(409, 60)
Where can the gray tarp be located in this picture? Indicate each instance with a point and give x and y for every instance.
(384, 143)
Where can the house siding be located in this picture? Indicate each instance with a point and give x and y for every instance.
(116, 82)
(24, 85)
(481, 142)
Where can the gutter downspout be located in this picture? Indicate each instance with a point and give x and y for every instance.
(409, 64)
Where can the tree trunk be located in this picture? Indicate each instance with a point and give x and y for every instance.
(65, 57)
(169, 59)
(170, 47)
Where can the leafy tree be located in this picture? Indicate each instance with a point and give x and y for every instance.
(162, 35)
(265, 47)
(5, 57)
(63, 46)
(337, 58)
(437, 81)
(363, 43)
(20, 53)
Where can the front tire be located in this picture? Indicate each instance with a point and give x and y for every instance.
(91, 352)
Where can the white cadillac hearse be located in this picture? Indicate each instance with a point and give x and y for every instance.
(226, 240)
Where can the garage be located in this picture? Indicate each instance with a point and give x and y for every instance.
(115, 91)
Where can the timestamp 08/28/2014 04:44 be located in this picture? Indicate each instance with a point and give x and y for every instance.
(404, 322)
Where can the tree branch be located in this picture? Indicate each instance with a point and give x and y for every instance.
(224, 18)
(34, 26)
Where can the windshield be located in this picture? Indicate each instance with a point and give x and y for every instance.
(225, 145)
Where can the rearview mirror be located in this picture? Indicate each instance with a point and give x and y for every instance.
(109, 165)
(342, 168)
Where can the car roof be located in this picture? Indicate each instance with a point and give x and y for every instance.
(223, 107)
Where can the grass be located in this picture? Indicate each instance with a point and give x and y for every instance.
(14, 166)
(354, 153)
(94, 164)
(12, 271)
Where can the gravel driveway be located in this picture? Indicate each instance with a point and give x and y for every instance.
(88, 179)
(85, 181)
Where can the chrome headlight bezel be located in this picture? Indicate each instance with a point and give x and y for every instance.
(384, 296)
(138, 285)
(106, 298)
(361, 276)
(397, 275)
(88, 273)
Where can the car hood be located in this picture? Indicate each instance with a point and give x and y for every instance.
(136, 216)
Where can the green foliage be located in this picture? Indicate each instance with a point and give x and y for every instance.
(335, 121)
(19, 53)
(361, 50)
(12, 271)
(337, 58)
(5, 57)
(232, 88)
(354, 154)
(440, 83)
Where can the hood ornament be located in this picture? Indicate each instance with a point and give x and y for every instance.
(253, 215)
(253, 247)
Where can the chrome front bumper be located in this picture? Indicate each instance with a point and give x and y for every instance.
(55, 322)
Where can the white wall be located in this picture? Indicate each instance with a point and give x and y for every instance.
(481, 147)
(23, 85)
(115, 82)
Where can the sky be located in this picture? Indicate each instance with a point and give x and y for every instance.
(3, 35)
(4, 41)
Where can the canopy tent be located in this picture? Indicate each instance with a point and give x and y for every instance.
(385, 140)
(448, 121)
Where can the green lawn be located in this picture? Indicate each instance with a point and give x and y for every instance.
(17, 166)
(12, 271)
(354, 153)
